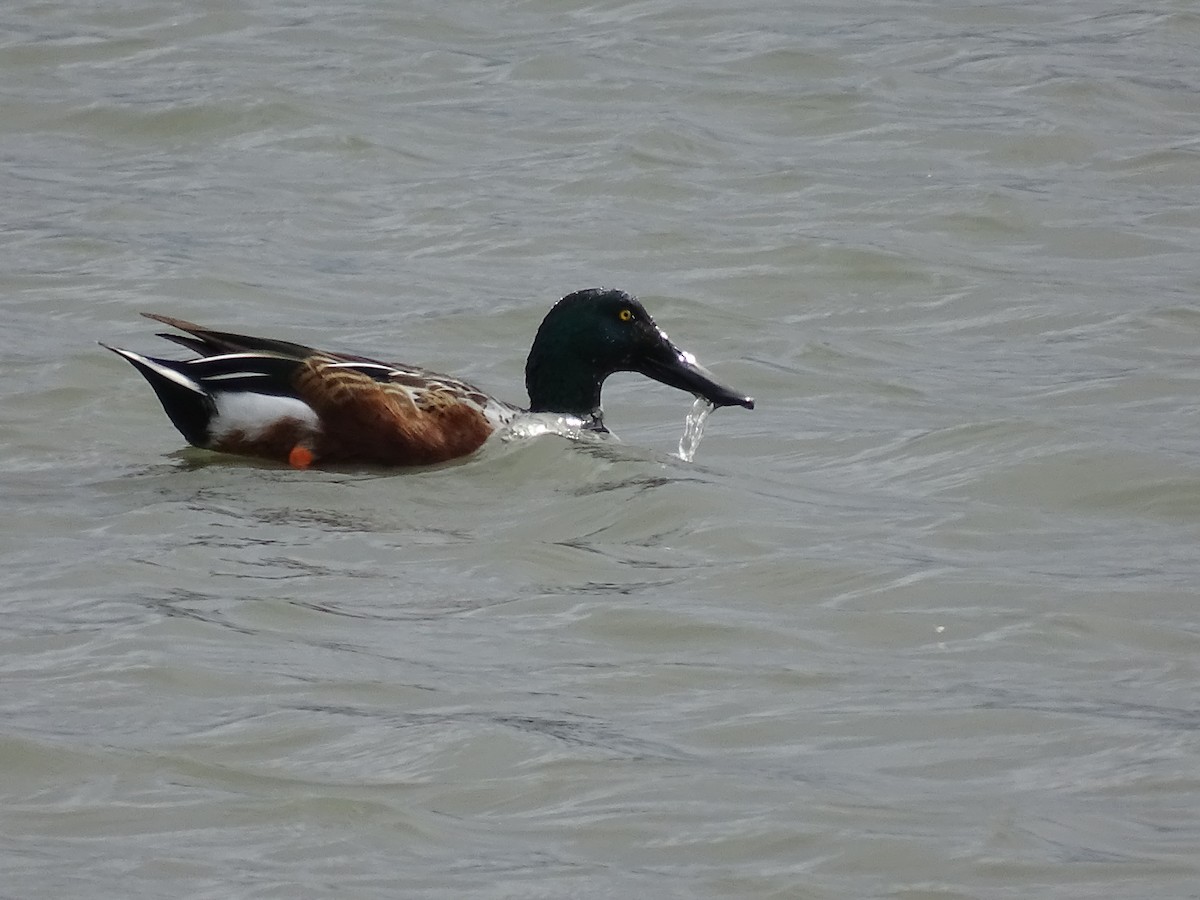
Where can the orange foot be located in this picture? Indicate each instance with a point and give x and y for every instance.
(301, 457)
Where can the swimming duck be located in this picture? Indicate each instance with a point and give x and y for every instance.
(291, 403)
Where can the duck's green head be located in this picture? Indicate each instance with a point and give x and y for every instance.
(591, 334)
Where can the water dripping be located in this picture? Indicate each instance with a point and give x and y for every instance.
(693, 428)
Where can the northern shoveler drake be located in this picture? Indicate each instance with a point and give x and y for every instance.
(288, 402)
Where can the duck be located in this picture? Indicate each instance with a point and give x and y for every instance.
(290, 403)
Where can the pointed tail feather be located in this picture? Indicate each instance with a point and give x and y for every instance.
(189, 407)
(208, 342)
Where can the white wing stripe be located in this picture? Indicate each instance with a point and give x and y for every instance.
(228, 376)
(222, 357)
(362, 366)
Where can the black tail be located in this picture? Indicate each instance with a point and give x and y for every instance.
(186, 403)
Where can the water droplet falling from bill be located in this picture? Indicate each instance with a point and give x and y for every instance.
(693, 428)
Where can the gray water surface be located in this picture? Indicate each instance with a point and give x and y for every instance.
(922, 625)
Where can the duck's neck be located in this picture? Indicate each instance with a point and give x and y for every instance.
(562, 383)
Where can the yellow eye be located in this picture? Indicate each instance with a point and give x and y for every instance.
(625, 315)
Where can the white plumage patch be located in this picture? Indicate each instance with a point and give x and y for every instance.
(251, 414)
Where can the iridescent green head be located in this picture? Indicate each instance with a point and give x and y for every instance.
(591, 334)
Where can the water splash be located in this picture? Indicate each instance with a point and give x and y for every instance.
(693, 428)
(531, 425)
